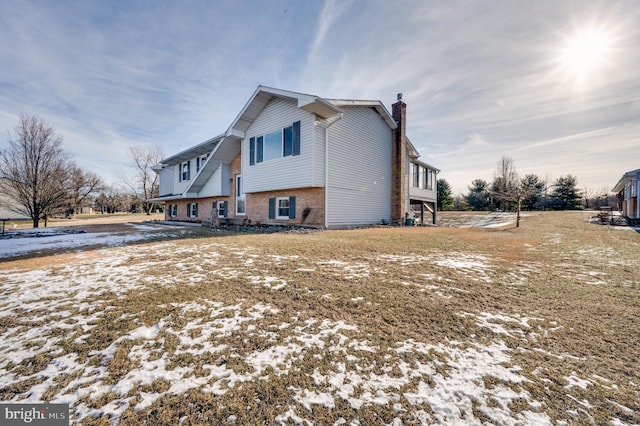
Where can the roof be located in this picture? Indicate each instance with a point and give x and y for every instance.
(428, 166)
(200, 149)
(322, 108)
(627, 177)
(377, 105)
(263, 94)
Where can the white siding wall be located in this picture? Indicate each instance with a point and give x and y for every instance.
(285, 172)
(218, 183)
(166, 181)
(359, 185)
(318, 156)
(179, 186)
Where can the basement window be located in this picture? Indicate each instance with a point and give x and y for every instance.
(283, 208)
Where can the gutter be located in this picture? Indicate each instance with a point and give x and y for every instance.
(327, 123)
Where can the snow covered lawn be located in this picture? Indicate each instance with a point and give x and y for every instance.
(378, 326)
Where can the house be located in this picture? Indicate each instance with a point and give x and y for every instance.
(628, 188)
(293, 158)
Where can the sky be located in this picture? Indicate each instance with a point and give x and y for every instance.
(553, 85)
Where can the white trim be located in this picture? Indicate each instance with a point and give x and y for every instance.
(191, 208)
(277, 206)
(241, 194)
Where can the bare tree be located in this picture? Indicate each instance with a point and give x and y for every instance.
(81, 184)
(505, 183)
(506, 187)
(34, 170)
(145, 182)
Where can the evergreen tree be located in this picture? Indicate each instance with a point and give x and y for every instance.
(445, 199)
(532, 192)
(478, 196)
(565, 194)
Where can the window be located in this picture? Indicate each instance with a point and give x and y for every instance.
(192, 209)
(173, 210)
(425, 179)
(240, 198)
(200, 162)
(272, 146)
(282, 208)
(222, 208)
(416, 175)
(281, 143)
(185, 171)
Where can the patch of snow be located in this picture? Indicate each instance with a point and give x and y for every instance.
(55, 238)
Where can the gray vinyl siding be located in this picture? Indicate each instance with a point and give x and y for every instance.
(317, 170)
(218, 183)
(285, 172)
(166, 181)
(179, 186)
(359, 184)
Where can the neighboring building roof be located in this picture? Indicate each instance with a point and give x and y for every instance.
(627, 177)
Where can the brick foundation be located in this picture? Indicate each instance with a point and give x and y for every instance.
(311, 198)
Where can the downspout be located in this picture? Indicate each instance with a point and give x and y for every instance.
(327, 123)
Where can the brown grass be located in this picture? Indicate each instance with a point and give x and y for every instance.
(578, 283)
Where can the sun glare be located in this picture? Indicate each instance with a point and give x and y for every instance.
(585, 54)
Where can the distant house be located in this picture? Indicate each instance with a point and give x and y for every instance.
(294, 158)
(628, 188)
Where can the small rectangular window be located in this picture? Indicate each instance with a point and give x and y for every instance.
(194, 210)
(200, 162)
(222, 209)
(287, 146)
(416, 175)
(186, 170)
(282, 211)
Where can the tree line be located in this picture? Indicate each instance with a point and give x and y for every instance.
(508, 192)
(38, 179)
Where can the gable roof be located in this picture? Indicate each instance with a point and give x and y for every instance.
(261, 97)
(377, 105)
(627, 177)
(323, 108)
(224, 147)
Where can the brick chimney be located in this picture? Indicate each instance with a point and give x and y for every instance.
(399, 193)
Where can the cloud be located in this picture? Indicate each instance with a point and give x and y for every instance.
(481, 80)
